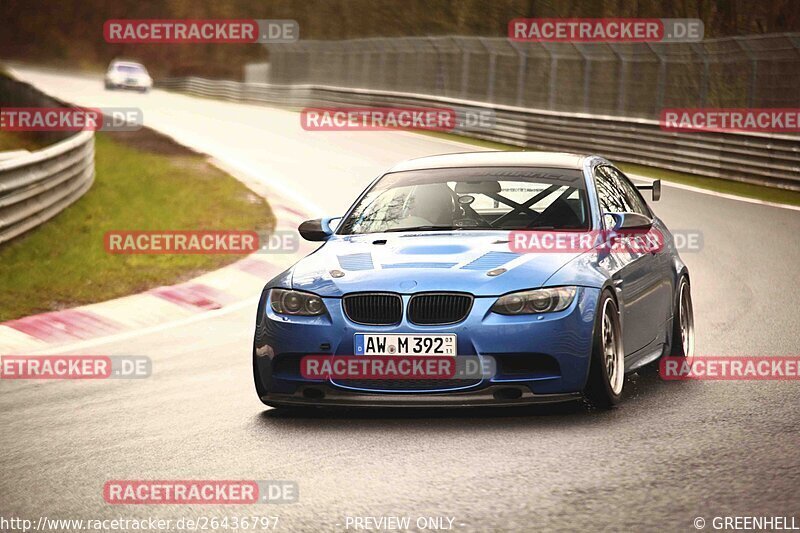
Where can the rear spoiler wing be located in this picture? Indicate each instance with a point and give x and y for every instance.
(655, 187)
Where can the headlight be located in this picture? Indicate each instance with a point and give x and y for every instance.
(535, 301)
(285, 302)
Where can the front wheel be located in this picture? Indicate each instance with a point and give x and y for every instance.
(682, 341)
(607, 366)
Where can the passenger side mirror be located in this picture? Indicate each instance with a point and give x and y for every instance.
(655, 187)
(319, 229)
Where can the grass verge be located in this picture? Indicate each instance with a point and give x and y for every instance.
(746, 190)
(144, 181)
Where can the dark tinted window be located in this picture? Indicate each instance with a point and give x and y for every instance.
(631, 193)
(616, 193)
(130, 69)
(478, 198)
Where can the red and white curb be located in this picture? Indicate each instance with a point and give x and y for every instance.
(215, 290)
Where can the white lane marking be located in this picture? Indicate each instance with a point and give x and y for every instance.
(718, 194)
(206, 315)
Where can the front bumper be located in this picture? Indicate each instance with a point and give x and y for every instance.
(490, 396)
(126, 84)
(544, 357)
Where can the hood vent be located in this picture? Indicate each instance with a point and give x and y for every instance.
(491, 260)
(356, 261)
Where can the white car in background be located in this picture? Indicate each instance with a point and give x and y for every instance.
(128, 75)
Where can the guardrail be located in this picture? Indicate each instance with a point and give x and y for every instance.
(771, 160)
(631, 79)
(36, 186)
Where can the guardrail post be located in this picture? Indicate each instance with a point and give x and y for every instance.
(464, 72)
(522, 65)
(587, 76)
(662, 77)
(365, 66)
(700, 50)
(751, 88)
(552, 87)
(490, 75)
(621, 80)
(383, 45)
(440, 83)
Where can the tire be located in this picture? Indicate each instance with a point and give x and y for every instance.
(682, 338)
(607, 364)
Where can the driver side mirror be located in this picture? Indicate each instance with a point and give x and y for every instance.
(319, 229)
(629, 221)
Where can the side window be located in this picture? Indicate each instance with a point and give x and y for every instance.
(608, 192)
(631, 193)
(616, 194)
(376, 211)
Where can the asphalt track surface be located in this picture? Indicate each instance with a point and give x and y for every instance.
(671, 452)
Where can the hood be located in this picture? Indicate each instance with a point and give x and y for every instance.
(424, 261)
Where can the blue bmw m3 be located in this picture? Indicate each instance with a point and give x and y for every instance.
(427, 263)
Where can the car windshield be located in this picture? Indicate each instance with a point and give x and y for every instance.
(496, 198)
(130, 69)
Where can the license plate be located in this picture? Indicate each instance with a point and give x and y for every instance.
(405, 344)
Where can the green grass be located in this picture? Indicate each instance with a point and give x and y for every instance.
(747, 190)
(151, 186)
